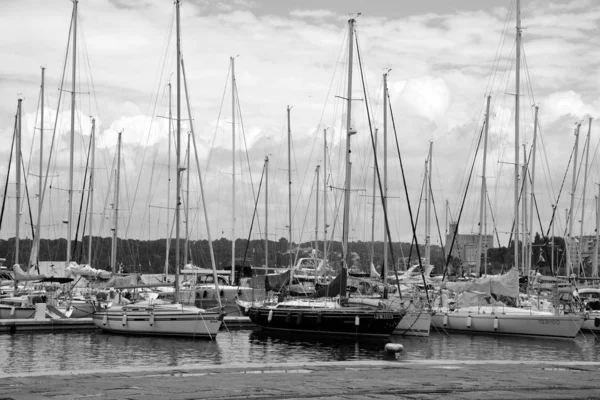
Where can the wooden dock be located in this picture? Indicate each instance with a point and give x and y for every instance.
(80, 324)
(45, 325)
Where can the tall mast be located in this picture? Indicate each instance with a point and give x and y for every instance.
(373, 206)
(289, 185)
(18, 172)
(203, 199)
(350, 132)
(384, 267)
(570, 212)
(113, 254)
(533, 153)
(187, 204)
(482, 206)
(585, 175)
(91, 216)
(178, 152)
(325, 195)
(317, 213)
(266, 214)
(71, 144)
(169, 187)
(595, 264)
(428, 166)
(41, 171)
(233, 164)
(524, 244)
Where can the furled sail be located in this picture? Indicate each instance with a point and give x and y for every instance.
(506, 285)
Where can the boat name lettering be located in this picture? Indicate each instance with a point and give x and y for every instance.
(549, 321)
(384, 316)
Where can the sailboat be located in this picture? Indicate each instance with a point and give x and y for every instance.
(155, 317)
(476, 310)
(331, 315)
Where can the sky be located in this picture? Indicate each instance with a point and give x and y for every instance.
(442, 58)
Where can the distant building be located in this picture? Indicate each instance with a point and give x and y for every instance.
(586, 256)
(465, 247)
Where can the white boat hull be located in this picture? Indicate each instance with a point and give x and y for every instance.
(592, 324)
(518, 323)
(160, 321)
(414, 323)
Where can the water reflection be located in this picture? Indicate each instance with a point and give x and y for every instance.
(32, 352)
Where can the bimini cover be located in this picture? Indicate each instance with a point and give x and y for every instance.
(22, 276)
(86, 270)
(506, 285)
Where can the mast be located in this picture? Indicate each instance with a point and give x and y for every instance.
(233, 164)
(325, 195)
(570, 213)
(71, 144)
(585, 175)
(209, 237)
(373, 207)
(350, 132)
(317, 213)
(113, 253)
(187, 205)
(428, 165)
(524, 244)
(595, 264)
(533, 153)
(178, 149)
(266, 214)
(18, 172)
(384, 267)
(289, 186)
(482, 207)
(41, 171)
(91, 216)
(169, 188)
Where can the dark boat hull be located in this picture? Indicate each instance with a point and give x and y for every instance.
(340, 321)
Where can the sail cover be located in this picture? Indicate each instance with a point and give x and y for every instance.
(21, 275)
(506, 285)
(86, 270)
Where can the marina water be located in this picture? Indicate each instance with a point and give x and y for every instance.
(76, 351)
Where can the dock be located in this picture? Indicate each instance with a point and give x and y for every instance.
(351, 380)
(80, 324)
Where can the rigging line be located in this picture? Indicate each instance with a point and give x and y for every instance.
(381, 192)
(154, 108)
(27, 195)
(560, 192)
(87, 204)
(75, 246)
(304, 222)
(12, 147)
(37, 108)
(55, 122)
(495, 227)
(412, 242)
(239, 109)
(437, 222)
(462, 205)
(212, 146)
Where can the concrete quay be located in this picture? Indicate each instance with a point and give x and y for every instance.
(386, 379)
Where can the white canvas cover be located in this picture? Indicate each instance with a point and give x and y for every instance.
(506, 285)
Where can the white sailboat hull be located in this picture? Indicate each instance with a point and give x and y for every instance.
(508, 321)
(171, 320)
(414, 323)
